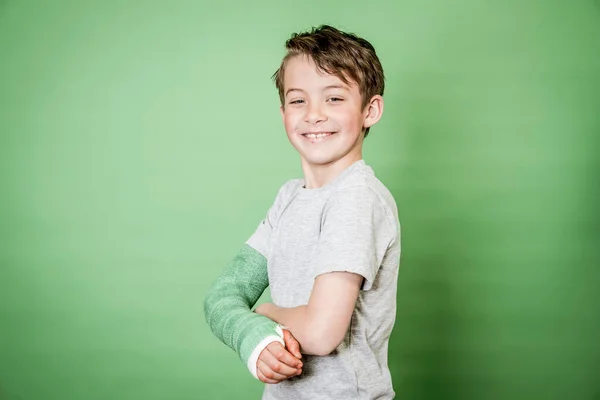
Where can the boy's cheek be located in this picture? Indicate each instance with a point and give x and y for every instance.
(290, 124)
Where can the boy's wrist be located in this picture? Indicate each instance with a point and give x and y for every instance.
(264, 309)
(262, 328)
(253, 359)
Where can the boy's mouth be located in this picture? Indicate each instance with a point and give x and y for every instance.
(317, 135)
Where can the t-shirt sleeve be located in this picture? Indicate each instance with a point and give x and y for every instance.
(261, 238)
(355, 234)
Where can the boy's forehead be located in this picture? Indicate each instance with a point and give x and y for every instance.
(302, 71)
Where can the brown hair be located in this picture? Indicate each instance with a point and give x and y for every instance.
(338, 53)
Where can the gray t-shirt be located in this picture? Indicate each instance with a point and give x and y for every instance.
(351, 224)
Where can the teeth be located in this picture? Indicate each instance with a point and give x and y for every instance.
(316, 135)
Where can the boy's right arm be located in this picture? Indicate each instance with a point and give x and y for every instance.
(227, 309)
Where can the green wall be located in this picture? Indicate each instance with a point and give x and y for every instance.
(141, 144)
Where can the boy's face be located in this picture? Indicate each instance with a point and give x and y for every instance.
(323, 117)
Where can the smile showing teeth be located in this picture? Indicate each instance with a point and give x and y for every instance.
(317, 135)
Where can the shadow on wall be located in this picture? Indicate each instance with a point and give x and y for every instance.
(591, 232)
(6, 395)
(593, 196)
(435, 244)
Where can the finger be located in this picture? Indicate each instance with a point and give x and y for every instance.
(263, 378)
(285, 356)
(272, 359)
(276, 357)
(269, 373)
(291, 344)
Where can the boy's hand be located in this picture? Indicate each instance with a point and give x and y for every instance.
(291, 344)
(276, 364)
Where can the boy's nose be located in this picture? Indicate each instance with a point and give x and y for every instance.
(314, 114)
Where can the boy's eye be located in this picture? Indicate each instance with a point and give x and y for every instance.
(296, 101)
(335, 99)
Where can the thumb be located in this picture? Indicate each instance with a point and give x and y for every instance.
(292, 344)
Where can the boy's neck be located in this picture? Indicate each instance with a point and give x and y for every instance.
(317, 176)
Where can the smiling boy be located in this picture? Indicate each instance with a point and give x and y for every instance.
(330, 243)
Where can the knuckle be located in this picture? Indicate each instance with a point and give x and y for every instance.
(262, 354)
(268, 374)
(275, 345)
(276, 367)
(273, 364)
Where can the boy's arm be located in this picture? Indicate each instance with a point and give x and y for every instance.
(228, 303)
(320, 326)
(355, 233)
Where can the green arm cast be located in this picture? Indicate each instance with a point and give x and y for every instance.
(228, 304)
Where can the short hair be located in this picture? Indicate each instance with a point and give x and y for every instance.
(338, 53)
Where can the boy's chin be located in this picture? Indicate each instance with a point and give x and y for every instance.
(317, 160)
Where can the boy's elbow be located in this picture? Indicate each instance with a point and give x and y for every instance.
(210, 304)
(323, 350)
(323, 343)
(206, 306)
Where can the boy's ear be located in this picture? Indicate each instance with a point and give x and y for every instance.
(373, 111)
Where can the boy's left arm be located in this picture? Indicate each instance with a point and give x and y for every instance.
(355, 234)
(320, 326)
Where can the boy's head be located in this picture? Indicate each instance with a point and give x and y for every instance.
(331, 83)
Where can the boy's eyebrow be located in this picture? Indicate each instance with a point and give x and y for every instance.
(343, 87)
(292, 89)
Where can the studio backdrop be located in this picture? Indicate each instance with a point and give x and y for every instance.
(141, 144)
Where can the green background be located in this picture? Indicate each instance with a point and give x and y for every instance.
(141, 144)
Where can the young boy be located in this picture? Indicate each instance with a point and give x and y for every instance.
(329, 247)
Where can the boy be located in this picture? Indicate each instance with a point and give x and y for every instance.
(329, 247)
